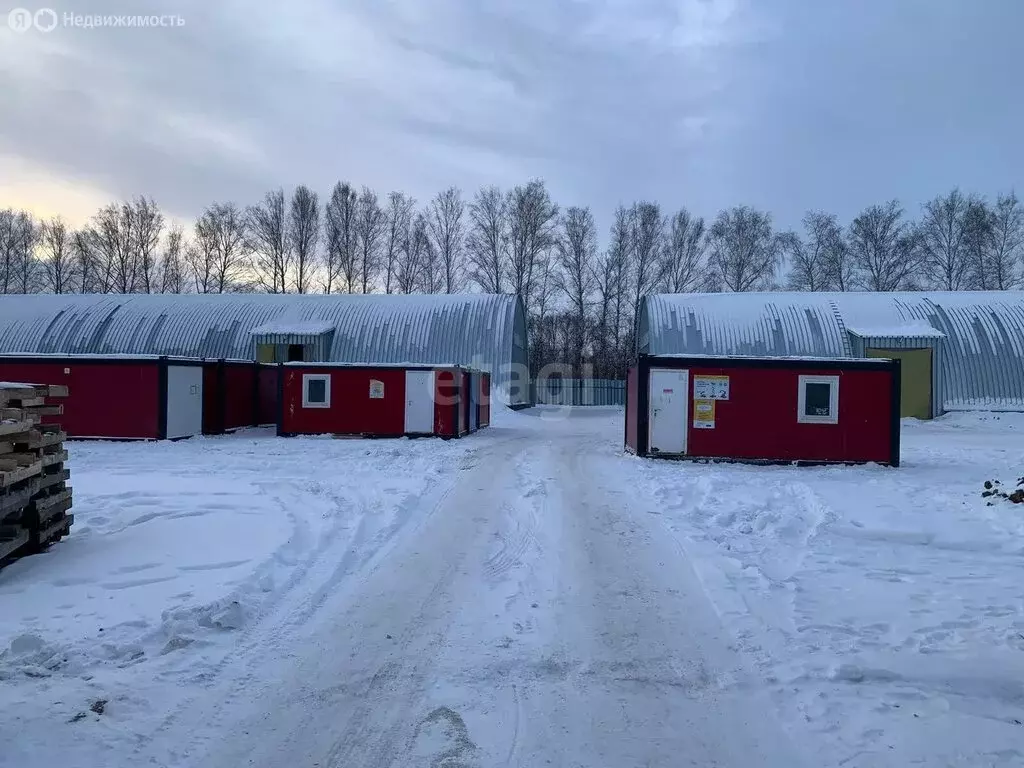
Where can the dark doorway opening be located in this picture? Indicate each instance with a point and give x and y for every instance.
(296, 353)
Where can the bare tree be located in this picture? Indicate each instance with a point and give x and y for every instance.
(220, 248)
(576, 255)
(409, 264)
(304, 235)
(1006, 255)
(341, 232)
(147, 226)
(487, 239)
(647, 235)
(446, 232)
(606, 284)
(532, 222)
(943, 238)
(543, 326)
(684, 265)
(267, 229)
(172, 264)
(201, 258)
(817, 260)
(113, 236)
(58, 257)
(620, 256)
(745, 251)
(884, 247)
(18, 267)
(396, 236)
(86, 262)
(371, 227)
(431, 268)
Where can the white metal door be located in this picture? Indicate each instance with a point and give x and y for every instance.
(419, 402)
(669, 411)
(184, 400)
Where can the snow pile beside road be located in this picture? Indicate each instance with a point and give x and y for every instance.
(179, 549)
(883, 606)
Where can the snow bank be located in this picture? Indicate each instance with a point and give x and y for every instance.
(881, 605)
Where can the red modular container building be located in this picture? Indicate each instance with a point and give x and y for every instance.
(382, 400)
(238, 394)
(118, 397)
(123, 397)
(785, 410)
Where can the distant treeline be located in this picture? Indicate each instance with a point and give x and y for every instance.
(582, 298)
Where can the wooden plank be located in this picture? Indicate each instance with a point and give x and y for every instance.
(6, 446)
(29, 402)
(44, 410)
(14, 427)
(48, 428)
(11, 461)
(57, 390)
(11, 540)
(57, 504)
(49, 480)
(56, 529)
(16, 476)
(14, 503)
(20, 414)
(54, 458)
(12, 392)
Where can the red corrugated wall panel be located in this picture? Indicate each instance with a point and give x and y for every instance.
(116, 400)
(446, 414)
(485, 399)
(464, 401)
(267, 395)
(352, 411)
(759, 420)
(239, 394)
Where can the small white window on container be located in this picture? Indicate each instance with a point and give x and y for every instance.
(316, 390)
(818, 400)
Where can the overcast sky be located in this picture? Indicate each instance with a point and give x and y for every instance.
(781, 104)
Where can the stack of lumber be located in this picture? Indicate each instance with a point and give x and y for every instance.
(34, 493)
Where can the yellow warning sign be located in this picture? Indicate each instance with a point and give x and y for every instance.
(704, 414)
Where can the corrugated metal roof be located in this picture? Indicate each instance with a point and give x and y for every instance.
(469, 329)
(983, 360)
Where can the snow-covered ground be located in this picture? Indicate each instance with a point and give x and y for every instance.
(884, 607)
(526, 596)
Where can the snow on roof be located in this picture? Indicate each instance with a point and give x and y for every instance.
(292, 328)
(913, 329)
(313, 364)
(797, 358)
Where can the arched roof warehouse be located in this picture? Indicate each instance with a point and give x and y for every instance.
(977, 337)
(484, 330)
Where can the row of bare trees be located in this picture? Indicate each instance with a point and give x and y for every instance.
(582, 298)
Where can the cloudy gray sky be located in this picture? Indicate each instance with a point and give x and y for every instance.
(781, 104)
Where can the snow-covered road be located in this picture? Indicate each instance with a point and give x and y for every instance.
(527, 596)
(536, 614)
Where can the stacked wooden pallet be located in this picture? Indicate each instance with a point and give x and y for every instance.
(34, 493)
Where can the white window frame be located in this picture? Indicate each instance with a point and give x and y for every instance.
(833, 403)
(306, 379)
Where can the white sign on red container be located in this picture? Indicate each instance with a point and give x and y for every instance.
(710, 387)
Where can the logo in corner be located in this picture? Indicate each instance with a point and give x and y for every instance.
(45, 19)
(20, 20)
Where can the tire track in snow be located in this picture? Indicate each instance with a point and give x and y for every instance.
(313, 581)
